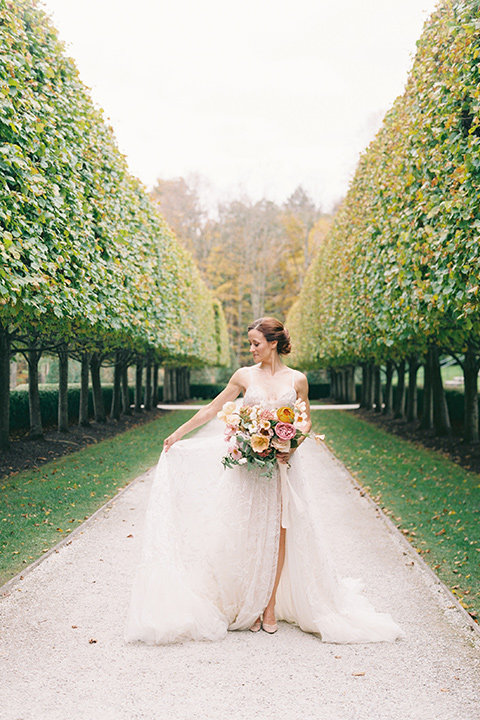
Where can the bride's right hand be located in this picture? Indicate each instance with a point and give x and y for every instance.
(170, 440)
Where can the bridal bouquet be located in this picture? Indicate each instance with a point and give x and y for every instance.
(256, 433)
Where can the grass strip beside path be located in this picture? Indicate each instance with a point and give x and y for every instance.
(434, 502)
(39, 507)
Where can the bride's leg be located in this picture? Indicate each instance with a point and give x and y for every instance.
(269, 612)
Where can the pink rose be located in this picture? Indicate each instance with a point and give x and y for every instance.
(285, 431)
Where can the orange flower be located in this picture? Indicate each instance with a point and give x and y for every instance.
(259, 443)
(285, 414)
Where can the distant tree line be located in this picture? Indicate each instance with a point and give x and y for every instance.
(253, 255)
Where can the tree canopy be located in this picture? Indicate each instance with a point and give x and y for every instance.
(399, 270)
(85, 257)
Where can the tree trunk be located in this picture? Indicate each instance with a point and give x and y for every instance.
(155, 393)
(36, 427)
(63, 390)
(427, 404)
(412, 400)
(179, 384)
(377, 384)
(148, 385)
(470, 374)
(337, 385)
(364, 390)
(343, 385)
(333, 384)
(399, 404)
(186, 383)
(126, 409)
(4, 390)
(367, 386)
(441, 418)
(167, 395)
(98, 404)
(388, 405)
(350, 380)
(117, 379)
(182, 382)
(138, 385)
(83, 419)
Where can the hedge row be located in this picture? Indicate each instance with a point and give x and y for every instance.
(84, 256)
(397, 279)
(88, 268)
(19, 410)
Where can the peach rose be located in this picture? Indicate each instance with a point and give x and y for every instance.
(281, 445)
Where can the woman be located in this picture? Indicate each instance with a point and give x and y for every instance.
(219, 554)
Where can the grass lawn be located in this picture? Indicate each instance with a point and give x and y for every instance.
(40, 507)
(433, 501)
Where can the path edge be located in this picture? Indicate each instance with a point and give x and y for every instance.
(6, 588)
(475, 627)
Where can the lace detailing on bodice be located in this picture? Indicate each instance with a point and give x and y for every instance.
(255, 395)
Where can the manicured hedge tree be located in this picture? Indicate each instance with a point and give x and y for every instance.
(397, 281)
(87, 267)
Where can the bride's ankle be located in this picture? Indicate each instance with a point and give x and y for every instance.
(269, 617)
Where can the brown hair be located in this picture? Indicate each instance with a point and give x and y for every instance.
(273, 329)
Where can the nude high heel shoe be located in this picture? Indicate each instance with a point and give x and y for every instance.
(256, 626)
(270, 629)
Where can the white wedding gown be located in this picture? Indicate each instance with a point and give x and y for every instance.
(210, 553)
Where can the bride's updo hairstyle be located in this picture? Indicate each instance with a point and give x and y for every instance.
(273, 329)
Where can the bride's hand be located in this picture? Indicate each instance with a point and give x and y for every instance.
(283, 457)
(170, 440)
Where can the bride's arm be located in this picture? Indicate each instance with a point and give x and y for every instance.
(208, 412)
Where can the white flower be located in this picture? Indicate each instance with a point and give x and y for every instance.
(300, 406)
(227, 411)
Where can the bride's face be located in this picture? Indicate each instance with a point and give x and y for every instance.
(261, 349)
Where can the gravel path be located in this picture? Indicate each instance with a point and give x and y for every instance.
(62, 654)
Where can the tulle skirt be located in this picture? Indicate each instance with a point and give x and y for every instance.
(210, 554)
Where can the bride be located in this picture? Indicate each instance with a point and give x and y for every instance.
(219, 553)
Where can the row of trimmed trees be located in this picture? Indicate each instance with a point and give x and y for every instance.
(396, 283)
(88, 268)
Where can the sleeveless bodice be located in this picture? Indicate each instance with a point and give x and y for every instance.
(255, 395)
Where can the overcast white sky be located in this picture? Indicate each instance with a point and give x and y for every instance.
(258, 95)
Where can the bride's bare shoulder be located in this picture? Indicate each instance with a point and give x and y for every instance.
(300, 379)
(240, 376)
